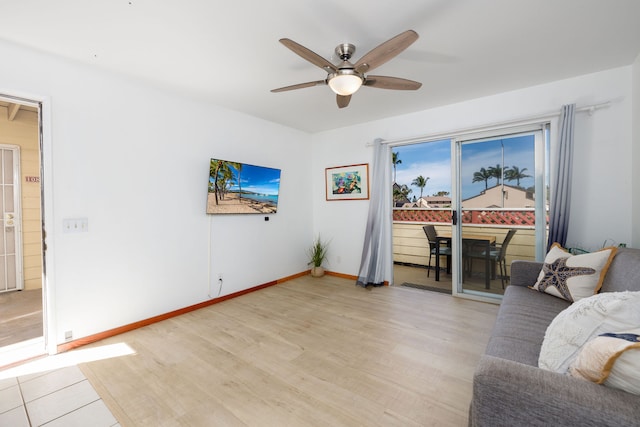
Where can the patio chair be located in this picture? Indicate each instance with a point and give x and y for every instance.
(497, 255)
(432, 237)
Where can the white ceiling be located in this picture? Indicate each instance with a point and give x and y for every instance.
(228, 51)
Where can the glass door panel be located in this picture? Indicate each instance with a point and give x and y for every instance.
(422, 198)
(496, 198)
(10, 220)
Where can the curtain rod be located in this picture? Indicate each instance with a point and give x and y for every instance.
(522, 121)
(591, 108)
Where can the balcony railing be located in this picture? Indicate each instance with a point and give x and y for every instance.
(503, 217)
(410, 245)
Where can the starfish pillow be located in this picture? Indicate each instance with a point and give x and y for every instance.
(573, 277)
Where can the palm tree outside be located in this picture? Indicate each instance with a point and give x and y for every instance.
(401, 192)
(395, 160)
(420, 182)
(514, 173)
(496, 172)
(483, 175)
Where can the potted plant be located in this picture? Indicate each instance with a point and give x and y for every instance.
(317, 255)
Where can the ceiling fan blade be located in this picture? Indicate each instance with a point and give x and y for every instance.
(309, 55)
(343, 100)
(300, 86)
(396, 83)
(386, 51)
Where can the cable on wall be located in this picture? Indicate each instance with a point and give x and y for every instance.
(210, 292)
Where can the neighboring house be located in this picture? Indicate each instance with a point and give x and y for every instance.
(430, 202)
(437, 201)
(398, 201)
(514, 198)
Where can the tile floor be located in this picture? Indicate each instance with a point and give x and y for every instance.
(61, 397)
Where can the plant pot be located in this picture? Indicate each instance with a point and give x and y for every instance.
(317, 271)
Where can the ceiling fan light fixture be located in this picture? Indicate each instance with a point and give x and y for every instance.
(345, 78)
(345, 83)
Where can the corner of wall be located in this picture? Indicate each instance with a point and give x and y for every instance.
(635, 153)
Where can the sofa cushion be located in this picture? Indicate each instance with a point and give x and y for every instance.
(508, 387)
(521, 323)
(612, 359)
(584, 320)
(573, 277)
(509, 394)
(624, 272)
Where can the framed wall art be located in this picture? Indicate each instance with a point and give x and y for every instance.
(347, 182)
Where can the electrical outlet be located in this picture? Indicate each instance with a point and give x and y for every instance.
(219, 277)
(68, 335)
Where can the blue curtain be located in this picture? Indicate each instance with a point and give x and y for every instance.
(376, 264)
(560, 202)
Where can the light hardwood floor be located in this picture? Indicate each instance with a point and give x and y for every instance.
(307, 352)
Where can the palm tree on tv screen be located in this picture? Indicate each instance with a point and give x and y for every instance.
(222, 176)
(238, 167)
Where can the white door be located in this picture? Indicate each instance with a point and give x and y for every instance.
(11, 277)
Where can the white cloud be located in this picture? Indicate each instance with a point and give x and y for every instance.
(439, 176)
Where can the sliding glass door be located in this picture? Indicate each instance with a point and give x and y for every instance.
(466, 206)
(499, 206)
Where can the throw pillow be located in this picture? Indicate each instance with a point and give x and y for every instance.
(612, 359)
(573, 277)
(584, 320)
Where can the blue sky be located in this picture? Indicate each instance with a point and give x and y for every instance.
(258, 179)
(433, 160)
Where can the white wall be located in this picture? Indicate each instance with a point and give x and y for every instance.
(636, 153)
(134, 160)
(601, 206)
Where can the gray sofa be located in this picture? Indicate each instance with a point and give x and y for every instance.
(508, 387)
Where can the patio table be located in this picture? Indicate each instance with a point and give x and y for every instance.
(486, 240)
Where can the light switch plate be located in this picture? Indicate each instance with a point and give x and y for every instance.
(75, 225)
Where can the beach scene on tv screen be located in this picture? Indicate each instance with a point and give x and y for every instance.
(240, 188)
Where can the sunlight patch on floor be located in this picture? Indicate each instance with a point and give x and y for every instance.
(70, 358)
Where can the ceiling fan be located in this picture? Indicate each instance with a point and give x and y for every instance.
(346, 78)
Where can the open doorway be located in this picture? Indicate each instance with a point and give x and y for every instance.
(422, 188)
(22, 305)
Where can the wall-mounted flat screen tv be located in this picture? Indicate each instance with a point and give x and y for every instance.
(239, 188)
